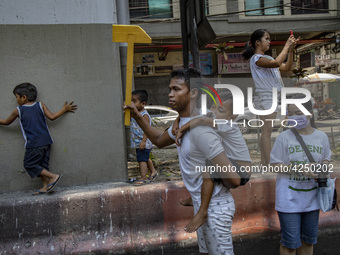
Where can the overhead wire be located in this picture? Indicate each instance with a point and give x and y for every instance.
(282, 6)
(167, 20)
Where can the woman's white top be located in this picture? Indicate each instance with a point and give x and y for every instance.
(265, 78)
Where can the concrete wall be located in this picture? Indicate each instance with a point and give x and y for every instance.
(57, 12)
(124, 219)
(157, 88)
(66, 62)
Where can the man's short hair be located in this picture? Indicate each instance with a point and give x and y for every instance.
(26, 89)
(186, 75)
(141, 94)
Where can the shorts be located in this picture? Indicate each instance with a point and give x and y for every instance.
(297, 227)
(214, 236)
(143, 155)
(264, 100)
(36, 160)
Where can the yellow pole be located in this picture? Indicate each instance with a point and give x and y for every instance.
(130, 34)
(129, 73)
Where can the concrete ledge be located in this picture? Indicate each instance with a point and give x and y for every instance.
(123, 219)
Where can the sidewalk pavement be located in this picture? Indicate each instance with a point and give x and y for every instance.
(118, 218)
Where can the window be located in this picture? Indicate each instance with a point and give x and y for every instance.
(150, 9)
(206, 7)
(263, 5)
(309, 6)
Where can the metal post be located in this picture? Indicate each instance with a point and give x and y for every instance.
(193, 35)
(123, 18)
(184, 32)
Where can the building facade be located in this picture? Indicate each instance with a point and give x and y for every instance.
(317, 22)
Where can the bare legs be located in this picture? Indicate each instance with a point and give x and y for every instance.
(186, 202)
(202, 214)
(286, 251)
(265, 140)
(143, 168)
(305, 249)
(151, 167)
(47, 178)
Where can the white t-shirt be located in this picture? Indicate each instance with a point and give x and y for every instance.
(233, 142)
(293, 193)
(197, 145)
(265, 78)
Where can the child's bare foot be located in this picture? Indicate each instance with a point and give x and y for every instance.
(153, 176)
(186, 202)
(196, 222)
(53, 182)
(40, 191)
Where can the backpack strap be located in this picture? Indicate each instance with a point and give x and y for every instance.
(303, 145)
(311, 160)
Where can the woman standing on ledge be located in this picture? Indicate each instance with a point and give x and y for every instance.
(265, 71)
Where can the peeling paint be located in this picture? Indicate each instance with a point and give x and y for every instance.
(166, 194)
(97, 238)
(71, 230)
(102, 199)
(21, 234)
(111, 228)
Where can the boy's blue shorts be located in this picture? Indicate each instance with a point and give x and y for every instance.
(36, 160)
(143, 155)
(297, 227)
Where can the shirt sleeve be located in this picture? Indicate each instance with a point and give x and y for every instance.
(257, 57)
(209, 143)
(279, 153)
(170, 133)
(222, 128)
(327, 153)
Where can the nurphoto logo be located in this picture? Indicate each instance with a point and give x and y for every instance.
(238, 103)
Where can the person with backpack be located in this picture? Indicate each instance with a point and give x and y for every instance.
(296, 190)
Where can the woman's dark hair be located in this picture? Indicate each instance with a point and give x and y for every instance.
(141, 94)
(26, 89)
(249, 47)
(309, 106)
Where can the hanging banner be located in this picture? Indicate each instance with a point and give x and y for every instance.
(205, 62)
(322, 60)
(233, 64)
